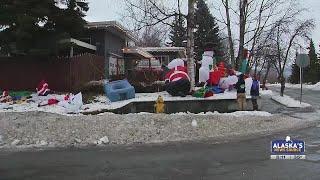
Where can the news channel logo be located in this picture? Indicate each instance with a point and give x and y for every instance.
(287, 149)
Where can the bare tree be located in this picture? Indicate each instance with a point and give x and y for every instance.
(243, 11)
(151, 37)
(286, 35)
(228, 24)
(148, 13)
(249, 20)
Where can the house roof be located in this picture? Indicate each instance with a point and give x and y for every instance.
(138, 52)
(180, 50)
(79, 43)
(114, 24)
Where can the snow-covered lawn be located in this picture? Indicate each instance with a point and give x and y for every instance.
(289, 101)
(315, 87)
(103, 103)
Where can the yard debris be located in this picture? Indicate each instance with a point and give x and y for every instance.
(194, 123)
(76, 140)
(103, 140)
(72, 103)
(42, 143)
(16, 142)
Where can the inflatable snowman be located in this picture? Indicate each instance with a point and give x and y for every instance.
(207, 63)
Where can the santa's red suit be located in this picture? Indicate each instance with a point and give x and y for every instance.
(177, 73)
(43, 88)
(5, 97)
(222, 69)
(5, 93)
(178, 81)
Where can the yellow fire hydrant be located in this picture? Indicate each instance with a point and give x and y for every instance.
(159, 106)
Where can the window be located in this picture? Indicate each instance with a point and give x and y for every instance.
(164, 59)
(116, 66)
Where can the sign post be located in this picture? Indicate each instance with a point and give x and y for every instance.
(302, 61)
(301, 84)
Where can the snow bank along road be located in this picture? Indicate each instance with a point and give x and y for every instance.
(39, 129)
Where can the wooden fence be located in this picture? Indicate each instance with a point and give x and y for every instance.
(62, 74)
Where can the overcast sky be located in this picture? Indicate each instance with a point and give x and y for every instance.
(104, 10)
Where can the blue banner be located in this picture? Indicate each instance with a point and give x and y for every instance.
(287, 147)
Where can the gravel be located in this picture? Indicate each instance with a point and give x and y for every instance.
(40, 129)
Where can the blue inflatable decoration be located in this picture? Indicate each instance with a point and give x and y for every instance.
(119, 90)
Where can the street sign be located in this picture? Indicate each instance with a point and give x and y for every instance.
(303, 60)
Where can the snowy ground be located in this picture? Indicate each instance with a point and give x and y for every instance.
(39, 129)
(315, 87)
(285, 100)
(289, 101)
(102, 102)
(21, 128)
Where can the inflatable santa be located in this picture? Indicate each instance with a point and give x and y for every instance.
(5, 97)
(43, 88)
(175, 63)
(178, 81)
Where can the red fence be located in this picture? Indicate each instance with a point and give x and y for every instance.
(62, 74)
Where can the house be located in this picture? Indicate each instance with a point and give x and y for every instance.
(109, 38)
(118, 47)
(107, 50)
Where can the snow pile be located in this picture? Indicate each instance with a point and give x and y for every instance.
(266, 93)
(194, 123)
(235, 114)
(315, 87)
(289, 102)
(101, 141)
(249, 113)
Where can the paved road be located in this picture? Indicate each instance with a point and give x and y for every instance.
(247, 159)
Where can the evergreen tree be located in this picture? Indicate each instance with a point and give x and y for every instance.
(35, 26)
(295, 74)
(318, 69)
(207, 30)
(311, 72)
(178, 33)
